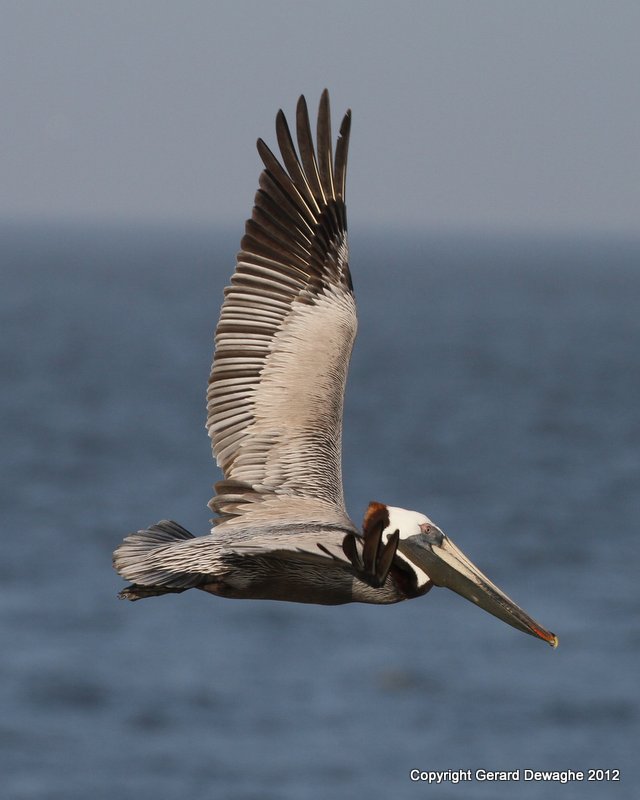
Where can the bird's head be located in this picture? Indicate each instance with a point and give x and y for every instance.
(433, 559)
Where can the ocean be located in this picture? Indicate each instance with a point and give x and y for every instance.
(494, 386)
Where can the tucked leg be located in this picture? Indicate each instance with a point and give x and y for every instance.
(374, 564)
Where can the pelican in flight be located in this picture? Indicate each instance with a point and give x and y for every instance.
(274, 403)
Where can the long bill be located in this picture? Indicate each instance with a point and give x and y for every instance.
(448, 566)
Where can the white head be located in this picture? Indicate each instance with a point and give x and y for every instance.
(411, 524)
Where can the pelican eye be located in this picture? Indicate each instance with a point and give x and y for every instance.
(431, 534)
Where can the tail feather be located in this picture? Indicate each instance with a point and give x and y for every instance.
(155, 557)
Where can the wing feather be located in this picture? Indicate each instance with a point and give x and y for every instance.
(286, 329)
(325, 157)
(307, 152)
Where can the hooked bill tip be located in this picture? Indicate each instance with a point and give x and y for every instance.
(550, 638)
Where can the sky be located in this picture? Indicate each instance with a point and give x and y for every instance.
(482, 115)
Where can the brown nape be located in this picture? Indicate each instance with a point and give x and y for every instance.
(376, 514)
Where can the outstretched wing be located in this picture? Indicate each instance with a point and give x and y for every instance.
(286, 329)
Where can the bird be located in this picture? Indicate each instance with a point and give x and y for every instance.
(275, 398)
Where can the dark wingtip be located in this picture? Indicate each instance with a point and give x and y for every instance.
(345, 125)
(301, 105)
(342, 151)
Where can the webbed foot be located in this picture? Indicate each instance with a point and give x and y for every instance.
(373, 565)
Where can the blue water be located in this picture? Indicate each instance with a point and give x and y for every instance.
(494, 386)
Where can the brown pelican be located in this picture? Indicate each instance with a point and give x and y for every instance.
(275, 398)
